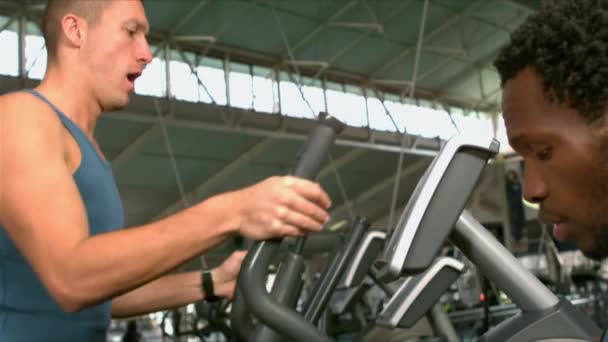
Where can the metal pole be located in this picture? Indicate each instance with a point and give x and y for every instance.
(500, 266)
(443, 324)
(411, 95)
(364, 91)
(227, 78)
(276, 97)
(22, 57)
(277, 79)
(252, 87)
(324, 87)
(167, 70)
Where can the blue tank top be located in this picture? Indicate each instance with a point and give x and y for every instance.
(27, 311)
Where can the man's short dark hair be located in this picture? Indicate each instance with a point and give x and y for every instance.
(566, 43)
(55, 10)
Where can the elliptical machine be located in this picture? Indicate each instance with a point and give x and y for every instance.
(434, 213)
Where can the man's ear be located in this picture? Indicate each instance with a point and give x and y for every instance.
(74, 29)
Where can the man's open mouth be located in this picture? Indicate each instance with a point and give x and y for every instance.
(133, 76)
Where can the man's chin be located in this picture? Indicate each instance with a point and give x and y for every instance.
(593, 250)
(116, 105)
(594, 244)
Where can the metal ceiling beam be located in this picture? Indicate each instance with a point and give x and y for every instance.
(134, 147)
(383, 185)
(371, 28)
(463, 74)
(380, 218)
(349, 25)
(480, 63)
(242, 160)
(138, 143)
(321, 24)
(194, 11)
(324, 65)
(268, 60)
(359, 39)
(347, 158)
(527, 5)
(7, 24)
(219, 109)
(196, 124)
(412, 89)
(219, 177)
(496, 26)
(483, 102)
(248, 56)
(9, 4)
(447, 24)
(320, 28)
(334, 167)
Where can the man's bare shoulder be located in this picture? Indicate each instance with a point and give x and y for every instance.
(29, 127)
(21, 101)
(16, 96)
(23, 108)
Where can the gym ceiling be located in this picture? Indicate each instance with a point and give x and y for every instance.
(371, 44)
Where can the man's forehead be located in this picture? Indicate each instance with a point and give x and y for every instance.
(516, 125)
(124, 11)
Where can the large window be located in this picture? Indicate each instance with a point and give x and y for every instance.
(153, 81)
(198, 78)
(184, 85)
(35, 57)
(9, 58)
(211, 74)
(241, 86)
(305, 104)
(346, 103)
(265, 90)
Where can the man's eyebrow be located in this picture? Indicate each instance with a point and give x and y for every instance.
(139, 24)
(517, 139)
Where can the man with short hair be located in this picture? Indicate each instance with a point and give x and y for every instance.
(66, 266)
(554, 73)
(555, 106)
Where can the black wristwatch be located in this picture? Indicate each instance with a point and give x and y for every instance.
(207, 283)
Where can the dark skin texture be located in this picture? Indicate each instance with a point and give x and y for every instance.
(565, 170)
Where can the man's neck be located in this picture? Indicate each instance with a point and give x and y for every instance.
(71, 97)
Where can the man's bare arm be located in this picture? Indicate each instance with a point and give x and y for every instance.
(165, 293)
(177, 290)
(41, 209)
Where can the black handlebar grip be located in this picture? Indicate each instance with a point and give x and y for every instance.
(316, 147)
